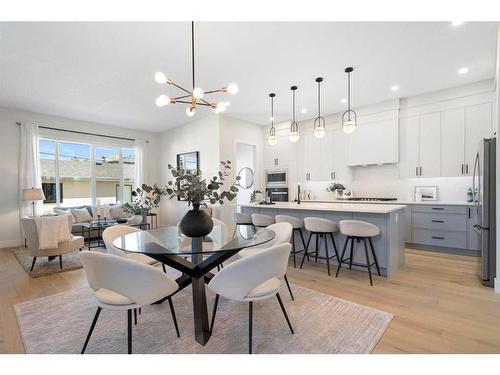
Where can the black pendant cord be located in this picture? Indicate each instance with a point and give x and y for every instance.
(192, 49)
(349, 95)
(319, 98)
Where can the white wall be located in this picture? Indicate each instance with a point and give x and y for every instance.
(199, 135)
(9, 146)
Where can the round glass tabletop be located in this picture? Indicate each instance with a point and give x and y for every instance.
(170, 241)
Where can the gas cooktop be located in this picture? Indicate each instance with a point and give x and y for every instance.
(373, 199)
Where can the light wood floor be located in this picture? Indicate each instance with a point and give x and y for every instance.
(438, 303)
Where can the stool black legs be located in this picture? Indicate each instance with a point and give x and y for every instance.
(316, 257)
(294, 250)
(367, 256)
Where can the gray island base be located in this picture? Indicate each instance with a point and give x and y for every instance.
(389, 244)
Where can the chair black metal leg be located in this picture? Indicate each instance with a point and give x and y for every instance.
(129, 330)
(33, 264)
(96, 316)
(60, 261)
(250, 318)
(293, 248)
(172, 311)
(334, 246)
(288, 286)
(352, 253)
(218, 268)
(163, 266)
(135, 316)
(374, 256)
(303, 242)
(284, 312)
(216, 303)
(305, 251)
(140, 310)
(368, 261)
(341, 257)
(327, 255)
(317, 248)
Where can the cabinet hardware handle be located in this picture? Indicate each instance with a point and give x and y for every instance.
(462, 168)
(416, 171)
(469, 212)
(331, 175)
(467, 168)
(420, 171)
(438, 221)
(334, 175)
(438, 238)
(437, 208)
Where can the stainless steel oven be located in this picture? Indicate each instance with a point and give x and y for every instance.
(276, 178)
(278, 194)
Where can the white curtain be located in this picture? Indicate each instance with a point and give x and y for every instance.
(29, 166)
(140, 162)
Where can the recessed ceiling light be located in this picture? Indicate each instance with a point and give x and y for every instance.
(457, 23)
(394, 88)
(228, 104)
(463, 70)
(343, 101)
(303, 110)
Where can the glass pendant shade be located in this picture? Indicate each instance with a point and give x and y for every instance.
(190, 111)
(349, 126)
(294, 132)
(319, 132)
(272, 140)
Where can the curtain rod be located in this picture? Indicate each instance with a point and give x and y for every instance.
(84, 133)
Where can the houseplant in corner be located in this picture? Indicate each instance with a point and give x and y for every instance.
(144, 200)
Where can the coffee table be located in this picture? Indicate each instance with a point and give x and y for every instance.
(100, 226)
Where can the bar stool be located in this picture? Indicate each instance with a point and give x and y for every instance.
(240, 219)
(297, 225)
(320, 228)
(262, 221)
(359, 230)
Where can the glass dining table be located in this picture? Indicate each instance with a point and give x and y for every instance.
(194, 257)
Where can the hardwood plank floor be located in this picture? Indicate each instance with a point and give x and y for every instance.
(438, 302)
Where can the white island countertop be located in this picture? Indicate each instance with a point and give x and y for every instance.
(335, 207)
(396, 202)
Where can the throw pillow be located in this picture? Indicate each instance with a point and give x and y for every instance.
(81, 215)
(117, 212)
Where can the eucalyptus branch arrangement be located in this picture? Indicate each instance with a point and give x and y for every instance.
(144, 199)
(334, 186)
(196, 190)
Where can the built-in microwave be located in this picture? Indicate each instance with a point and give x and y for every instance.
(276, 178)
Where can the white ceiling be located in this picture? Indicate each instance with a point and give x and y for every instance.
(103, 72)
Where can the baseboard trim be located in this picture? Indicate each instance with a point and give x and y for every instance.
(9, 243)
(497, 285)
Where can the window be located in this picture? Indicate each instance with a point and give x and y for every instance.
(87, 174)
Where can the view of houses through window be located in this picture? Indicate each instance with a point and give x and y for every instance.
(76, 174)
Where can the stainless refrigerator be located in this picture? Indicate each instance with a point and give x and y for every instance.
(484, 182)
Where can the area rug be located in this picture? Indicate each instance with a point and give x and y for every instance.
(322, 324)
(44, 267)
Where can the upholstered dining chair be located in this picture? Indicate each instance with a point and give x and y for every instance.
(283, 233)
(112, 233)
(252, 278)
(125, 284)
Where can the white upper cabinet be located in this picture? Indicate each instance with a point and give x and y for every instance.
(336, 153)
(477, 126)
(312, 157)
(279, 155)
(452, 142)
(429, 143)
(373, 143)
(408, 147)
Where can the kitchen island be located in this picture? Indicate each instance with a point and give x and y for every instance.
(389, 245)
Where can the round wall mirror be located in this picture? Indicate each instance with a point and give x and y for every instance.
(246, 178)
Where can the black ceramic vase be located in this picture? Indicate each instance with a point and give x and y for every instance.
(196, 223)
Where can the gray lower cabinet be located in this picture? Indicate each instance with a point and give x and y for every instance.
(444, 226)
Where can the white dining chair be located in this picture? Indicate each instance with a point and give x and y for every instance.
(112, 233)
(283, 232)
(124, 284)
(253, 278)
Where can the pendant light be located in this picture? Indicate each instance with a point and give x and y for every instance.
(319, 128)
(349, 117)
(272, 139)
(294, 127)
(195, 96)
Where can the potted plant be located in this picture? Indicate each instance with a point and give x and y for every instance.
(144, 200)
(336, 188)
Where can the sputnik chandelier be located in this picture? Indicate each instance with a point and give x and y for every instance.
(193, 97)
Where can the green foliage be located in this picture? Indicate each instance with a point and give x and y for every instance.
(192, 187)
(335, 186)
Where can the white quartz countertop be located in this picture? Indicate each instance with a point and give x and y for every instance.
(432, 203)
(329, 206)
